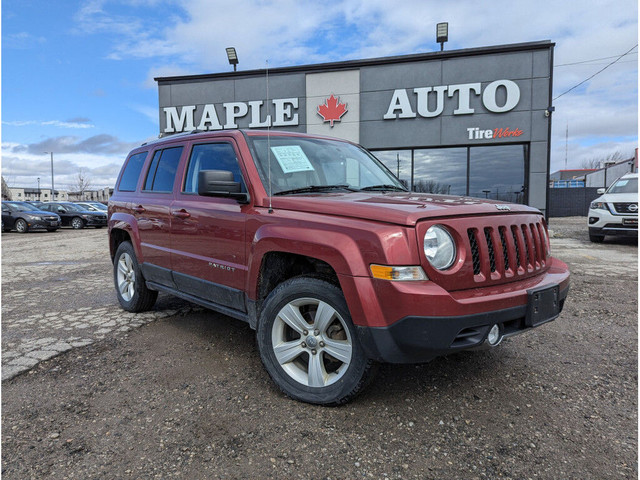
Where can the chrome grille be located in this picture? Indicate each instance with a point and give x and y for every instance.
(626, 208)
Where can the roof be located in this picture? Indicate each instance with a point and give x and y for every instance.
(350, 64)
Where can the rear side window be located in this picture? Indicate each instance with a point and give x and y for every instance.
(131, 172)
(162, 171)
(211, 156)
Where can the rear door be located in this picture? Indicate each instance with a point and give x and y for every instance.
(208, 233)
(152, 210)
(7, 217)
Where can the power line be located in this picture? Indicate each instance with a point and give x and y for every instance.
(599, 71)
(589, 61)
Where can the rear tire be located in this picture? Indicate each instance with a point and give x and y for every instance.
(308, 343)
(131, 289)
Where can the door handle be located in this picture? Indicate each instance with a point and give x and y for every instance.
(181, 214)
(139, 209)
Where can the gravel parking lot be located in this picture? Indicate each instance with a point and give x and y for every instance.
(90, 391)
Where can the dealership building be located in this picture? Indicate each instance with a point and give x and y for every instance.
(473, 122)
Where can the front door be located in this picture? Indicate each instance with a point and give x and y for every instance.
(208, 233)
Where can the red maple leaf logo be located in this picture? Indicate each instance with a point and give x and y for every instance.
(331, 110)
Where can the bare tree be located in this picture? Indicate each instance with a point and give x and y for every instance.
(600, 162)
(83, 182)
(6, 193)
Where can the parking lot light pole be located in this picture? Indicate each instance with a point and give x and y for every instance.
(53, 188)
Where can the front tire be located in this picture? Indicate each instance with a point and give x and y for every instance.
(596, 238)
(21, 226)
(308, 343)
(131, 289)
(77, 223)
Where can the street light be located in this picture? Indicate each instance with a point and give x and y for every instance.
(38, 188)
(442, 34)
(486, 193)
(233, 57)
(53, 188)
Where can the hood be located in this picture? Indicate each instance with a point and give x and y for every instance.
(618, 197)
(398, 208)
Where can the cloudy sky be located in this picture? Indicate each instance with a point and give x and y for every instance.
(77, 77)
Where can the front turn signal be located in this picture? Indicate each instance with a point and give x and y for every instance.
(385, 272)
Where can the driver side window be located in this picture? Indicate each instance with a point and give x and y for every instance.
(211, 156)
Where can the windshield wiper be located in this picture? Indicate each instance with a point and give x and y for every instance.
(315, 188)
(383, 187)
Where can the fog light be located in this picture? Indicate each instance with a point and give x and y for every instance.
(593, 220)
(494, 336)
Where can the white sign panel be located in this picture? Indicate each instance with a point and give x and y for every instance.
(292, 159)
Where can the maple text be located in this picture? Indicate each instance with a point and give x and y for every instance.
(181, 119)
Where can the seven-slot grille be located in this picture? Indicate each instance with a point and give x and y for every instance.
(507, 250)
(626, 208)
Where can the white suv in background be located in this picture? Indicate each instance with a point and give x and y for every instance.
(615, 212)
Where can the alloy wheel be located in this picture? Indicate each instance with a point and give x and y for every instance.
(126, 277)
(311, 342)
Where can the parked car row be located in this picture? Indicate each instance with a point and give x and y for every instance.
(25, 216)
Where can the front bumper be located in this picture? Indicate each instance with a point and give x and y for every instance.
(41, 223)
(96, 222)
(410, 322)
(420, 339)
(603, 222)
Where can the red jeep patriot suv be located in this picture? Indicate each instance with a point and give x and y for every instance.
(316, 245)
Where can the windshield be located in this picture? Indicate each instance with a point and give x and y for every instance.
(88, 206)
(72, 207)
(23, 207)
(298, 163)
(624, 185)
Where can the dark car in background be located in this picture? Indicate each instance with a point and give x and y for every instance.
(23, 217)
(93, 206)
(75, 216)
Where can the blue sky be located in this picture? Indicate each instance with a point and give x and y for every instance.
(77, 77)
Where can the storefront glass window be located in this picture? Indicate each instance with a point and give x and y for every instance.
(498, 172)
(440, 170)
(399, 162)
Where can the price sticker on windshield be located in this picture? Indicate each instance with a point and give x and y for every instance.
(292, 159)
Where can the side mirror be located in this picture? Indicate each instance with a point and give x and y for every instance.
(601, 191)
(220, 183)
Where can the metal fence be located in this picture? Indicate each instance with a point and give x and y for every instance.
(571, 202)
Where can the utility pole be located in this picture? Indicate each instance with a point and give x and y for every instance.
(53, 188)
(398, 167)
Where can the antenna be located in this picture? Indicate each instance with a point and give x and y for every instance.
(566, 145)
(269, 140)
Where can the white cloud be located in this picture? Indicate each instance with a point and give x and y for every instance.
(51, 123)
(602, 114)
(101, 156)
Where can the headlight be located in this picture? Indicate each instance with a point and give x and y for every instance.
(439, 247)
(31, 217)
(598, 206)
